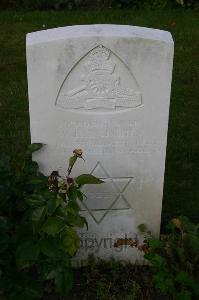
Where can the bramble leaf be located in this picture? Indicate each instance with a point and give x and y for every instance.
(34, 147)
(53, 225)
(154, 243)
(36, 200)
(70, 241)
(76, 220)
(38, 213)
(49, 247)
(87, 179)
(26, 254)
(52, 204)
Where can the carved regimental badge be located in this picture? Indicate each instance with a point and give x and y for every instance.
(99, 81)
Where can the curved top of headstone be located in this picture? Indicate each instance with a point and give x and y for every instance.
(76, 31)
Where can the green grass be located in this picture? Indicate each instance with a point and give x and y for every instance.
(181, 193)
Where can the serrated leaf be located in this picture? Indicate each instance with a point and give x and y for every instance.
(76, 220)
(36, 200)
(156, 260)
(49, 247)
(32, 168)
(52, 204)
(53, 225)
(70, 241)
(51, 275)
(74, 206)
(85, 222)
(154, 243)
(38, 181)
(34, 147)
(87, 179)
(38, 213)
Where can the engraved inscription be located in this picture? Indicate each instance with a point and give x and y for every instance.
(99, 129)
(106, 197)
(99, 81)
(107, 137)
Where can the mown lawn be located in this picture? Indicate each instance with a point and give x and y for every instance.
(181, 193)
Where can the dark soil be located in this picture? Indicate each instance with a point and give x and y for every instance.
(113, 281)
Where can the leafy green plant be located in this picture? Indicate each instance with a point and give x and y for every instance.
(188, 3)
(42, 4)
(78, 4)
(38, 220)
(175, 257)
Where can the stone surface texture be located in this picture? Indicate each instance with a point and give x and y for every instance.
(104, 89)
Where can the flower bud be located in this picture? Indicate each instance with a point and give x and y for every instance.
(70, 180)
(78, 152)
(176, 222)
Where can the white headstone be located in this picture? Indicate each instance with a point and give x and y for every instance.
(104, 89)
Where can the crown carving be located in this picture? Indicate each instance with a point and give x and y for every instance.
(99, 61)
(100, 53)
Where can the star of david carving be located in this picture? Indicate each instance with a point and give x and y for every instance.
(106, 197)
